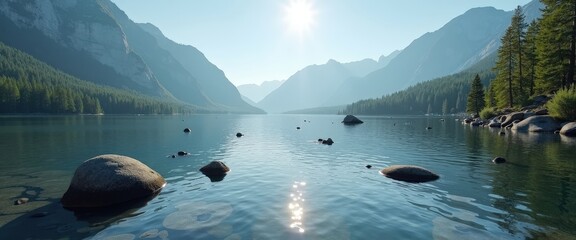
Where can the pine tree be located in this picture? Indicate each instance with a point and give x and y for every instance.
(556, 46)
(475, 101)
(518, 30)
(530, 53)
(445, 109)
(504, 70)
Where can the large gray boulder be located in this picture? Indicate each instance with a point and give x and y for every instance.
(111, 179)
(508, 119)
(569, 129)
(351, 120)
(538, 123)
(409, 173)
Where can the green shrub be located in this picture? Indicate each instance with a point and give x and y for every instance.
(488, 113)
(563, 104)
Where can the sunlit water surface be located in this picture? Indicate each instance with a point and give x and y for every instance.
(283, 184)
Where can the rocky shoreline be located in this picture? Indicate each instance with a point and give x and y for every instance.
(530, 120)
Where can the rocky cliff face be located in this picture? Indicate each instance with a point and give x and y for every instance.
(85, 27)
(94, 40)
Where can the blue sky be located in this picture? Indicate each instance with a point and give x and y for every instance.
(256, 40)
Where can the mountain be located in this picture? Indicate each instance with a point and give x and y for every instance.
(444, 95)
(309, 87)
(96, 41)
(461, 43)
(315, 85)
(257, 92)
(212, 81)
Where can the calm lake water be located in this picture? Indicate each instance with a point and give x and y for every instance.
(284, 185)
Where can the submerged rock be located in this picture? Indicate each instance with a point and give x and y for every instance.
(197, 215)
(409, 173)
(182, 153)
(111, 179)
(186, 130)
(239, 134)
(351, 120)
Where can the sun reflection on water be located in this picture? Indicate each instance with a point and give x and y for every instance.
(296, 206)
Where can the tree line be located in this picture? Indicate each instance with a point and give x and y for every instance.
(30, 86)
(536, 58)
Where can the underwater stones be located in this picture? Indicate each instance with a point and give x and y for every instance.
(215, 170)
(499, 160)
(111, 179)
(197, 215)
(409, 173)
(351, 120)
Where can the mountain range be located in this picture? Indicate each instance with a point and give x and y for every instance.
(97, 42)
(458, 45)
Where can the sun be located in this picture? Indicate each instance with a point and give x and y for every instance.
(299, 15)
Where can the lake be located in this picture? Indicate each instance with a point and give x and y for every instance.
(283, 184)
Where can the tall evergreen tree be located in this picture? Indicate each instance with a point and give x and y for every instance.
(518, 29)
(556, 46)
(475, 101)
(530, 55)
(504, 71)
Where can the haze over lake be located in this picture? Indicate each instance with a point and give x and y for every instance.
(283, 184)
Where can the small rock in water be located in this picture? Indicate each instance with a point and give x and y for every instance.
(173, 156)
(499, 160)
(21, 201)
(182, 153)
(368, 166)
(297, 127)
(239, 134)
(320, 140)
(428, 128)
(186, 130)
(39, 214)
(328, 141)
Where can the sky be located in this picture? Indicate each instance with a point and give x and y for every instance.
(261, 40)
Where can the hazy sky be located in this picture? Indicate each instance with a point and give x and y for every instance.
(259, 40)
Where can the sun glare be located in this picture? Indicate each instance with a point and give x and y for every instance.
(299, 15)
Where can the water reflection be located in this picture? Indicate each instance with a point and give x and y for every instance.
(296, 206)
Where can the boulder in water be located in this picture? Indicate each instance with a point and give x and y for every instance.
(538, 123)
(111, 179)
(569, 129)
(215, 170)
(409, 173)
(351, 120)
